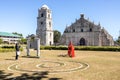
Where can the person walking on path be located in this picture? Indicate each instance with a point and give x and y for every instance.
(17, 48)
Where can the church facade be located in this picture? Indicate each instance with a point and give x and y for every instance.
(86, 33)
(44, 29)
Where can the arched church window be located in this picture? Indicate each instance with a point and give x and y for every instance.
(90, 30)
(66, 31)
(73, 30)
(81, 30)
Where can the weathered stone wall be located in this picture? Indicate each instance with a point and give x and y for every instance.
(84, 32)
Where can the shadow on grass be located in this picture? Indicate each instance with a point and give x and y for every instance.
(4, 76)
(10, 59)
(63, 55)
(25, 76)
(30, 57)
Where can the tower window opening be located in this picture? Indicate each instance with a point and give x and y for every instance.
(41, 23)
(50, 24)
(50, 35)
(48, 15)
(42, 15)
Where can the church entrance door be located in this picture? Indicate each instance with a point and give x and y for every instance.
(82, 41)
(50, 43)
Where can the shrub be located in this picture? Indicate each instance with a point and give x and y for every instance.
(89, 48)
(97, 48)
(53, 48)
(8, 49)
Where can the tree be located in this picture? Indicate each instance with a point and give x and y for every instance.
(1, 41)
(57, 36)
(118, 40)
(17, 34)
(23, 41)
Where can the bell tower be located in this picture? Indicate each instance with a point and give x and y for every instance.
(44, 26)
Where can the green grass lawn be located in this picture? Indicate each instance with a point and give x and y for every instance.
(102, 65)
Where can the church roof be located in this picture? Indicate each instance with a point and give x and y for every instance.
(45, 6)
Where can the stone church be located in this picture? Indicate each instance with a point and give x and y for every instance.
(44, 29)
(86, 33)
